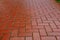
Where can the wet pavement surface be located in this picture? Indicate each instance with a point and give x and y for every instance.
(29, 20)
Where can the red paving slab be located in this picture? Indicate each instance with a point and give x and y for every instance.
(29, 20)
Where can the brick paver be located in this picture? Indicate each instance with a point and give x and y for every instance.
(29, 20)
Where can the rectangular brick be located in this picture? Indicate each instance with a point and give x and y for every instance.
(31, 30)
(4, 31)
(50, 19)
(56, 30)
(48, 38)
(28, 26)
(16, 26)
(28, 20)
(10, 25)
(1, 35)
(39, 21)
(22, 30)
(43, 24)
(22, 24)
(48, 16)
(48, 28)
(46, 21)
(14, 32)
(17, 38)
(3, 25)
(57, 22)
(6, 36)
(53, 33)
(34, 22)
(58, 37)
(28, 38)
(42, 32)
(43, 18)
(25, 34)
(36, 36)
(52, 25)
(38, 27)
(58, 27)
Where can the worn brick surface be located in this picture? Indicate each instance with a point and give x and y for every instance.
(29, 20)
(17, 38)
(36, 36)
(28, 38)
(48, 38)
(58, 37)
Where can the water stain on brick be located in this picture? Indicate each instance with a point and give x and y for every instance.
(14, 16)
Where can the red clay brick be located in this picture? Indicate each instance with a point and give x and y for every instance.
(1, 35)
(49, 18)
(57, 22)
(54, 33)
(39, 20)
(23, 34)
(16, 25)
(42, 32)
(10, 25)
(28, 26)
(34, 22)
(29, 20)
(3, 25)
(56, 30)
(46, 21)
(58, 27)
(14, 33)
(52, 25)
(22, 30)
(43, 18)
(5, 31)
(48, 28)
(48, 38)
(6, 36)
(31, 30)
(17, 38)
(43, 24)
(36, 36)
(38, 27)
(58, 37)
(28, 38)
(22, 24)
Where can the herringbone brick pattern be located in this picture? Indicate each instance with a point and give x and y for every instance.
(29, 20)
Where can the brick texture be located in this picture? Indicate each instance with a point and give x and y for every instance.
(29, 20)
